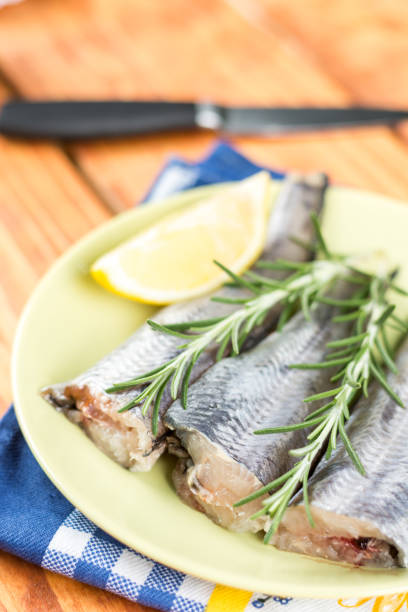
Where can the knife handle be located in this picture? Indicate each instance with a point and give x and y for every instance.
(93, 119)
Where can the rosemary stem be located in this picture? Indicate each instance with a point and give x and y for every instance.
(321, 274)
(315, 279)
(357, 372)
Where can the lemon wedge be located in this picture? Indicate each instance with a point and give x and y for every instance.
(173, 260)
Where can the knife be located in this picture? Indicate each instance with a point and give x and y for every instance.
(72, 120)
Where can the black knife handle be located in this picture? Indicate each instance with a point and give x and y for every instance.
(88, 119)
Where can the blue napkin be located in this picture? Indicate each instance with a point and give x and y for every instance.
(38, 524)
(222, 164)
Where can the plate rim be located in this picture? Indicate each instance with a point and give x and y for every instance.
(152, 551)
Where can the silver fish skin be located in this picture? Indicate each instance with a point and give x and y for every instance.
(361, 520)
(221, 460)
(127, 437)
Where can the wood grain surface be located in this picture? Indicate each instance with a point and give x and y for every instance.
(236, 51)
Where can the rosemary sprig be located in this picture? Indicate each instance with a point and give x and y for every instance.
(307, 284)
(358, 360)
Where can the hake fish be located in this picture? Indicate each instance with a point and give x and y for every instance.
(221, 460)
(127, 437)
(361, 520)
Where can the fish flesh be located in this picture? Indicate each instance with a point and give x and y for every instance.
(221, 460)
(127, 437)
(359, 519)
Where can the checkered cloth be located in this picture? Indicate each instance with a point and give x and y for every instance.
(38, 524)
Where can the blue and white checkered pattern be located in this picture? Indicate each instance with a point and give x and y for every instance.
(79, 549)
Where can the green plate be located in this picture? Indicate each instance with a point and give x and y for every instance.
(70, 322)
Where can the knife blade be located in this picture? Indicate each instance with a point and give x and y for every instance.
(73, 120)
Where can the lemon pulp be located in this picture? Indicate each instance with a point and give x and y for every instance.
(173, 260)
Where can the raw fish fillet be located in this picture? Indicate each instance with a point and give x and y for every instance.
(221, 460)
(361, 520)
(127, 437)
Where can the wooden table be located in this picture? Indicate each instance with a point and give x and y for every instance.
(237, 51)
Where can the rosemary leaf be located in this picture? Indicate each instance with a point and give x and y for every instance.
(281, 265)
(365, 387)
(352, 453)
(319, 236)
(186, 380)
(398, 321)
(251, 322)
(221, 350)
(156, 407)
(237, 279)
(175, 383)
(398, 290)
(306, 499)
(284, 317)
(264, 281)
(147, 401)
(385, 341)
(383, 382)
(346, 351)
(285, 428)
(338, 302)
(386, 356)
(196, 324)
(260, 318)
(278, 517)
(346, 317)
(339, 374)
(329, 451)
(128, 406)
(227, 300)
(166, 330)
(308, 246)
(346, 341)
(318, 366)
(318, 396)
(384, 316)
(333, 435)
(320, 410)
(234, 338)
(304, 302)
(396, 328)
(315, 433)
(134, 382)
(269, 487)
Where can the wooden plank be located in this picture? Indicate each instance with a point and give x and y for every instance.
(366, 158)
(363, 44)
(27, 588)
(122, 171)
(44, 207)
(133, 49)
(126, 49)
(24, 587)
